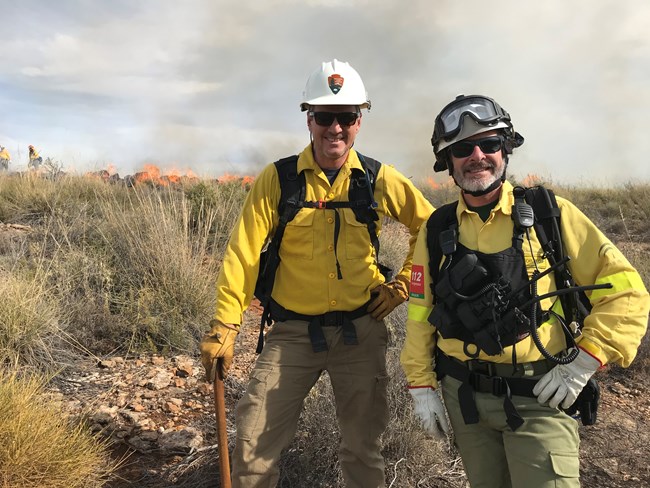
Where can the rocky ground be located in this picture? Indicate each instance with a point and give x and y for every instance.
(159, 414)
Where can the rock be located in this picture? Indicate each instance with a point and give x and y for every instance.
(181, 441)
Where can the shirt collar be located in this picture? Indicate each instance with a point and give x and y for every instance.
(506, 200)
(306, 161)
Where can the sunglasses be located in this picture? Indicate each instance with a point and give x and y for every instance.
(488, 145)
(325, 119)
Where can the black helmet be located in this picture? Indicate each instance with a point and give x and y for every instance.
(467, 116)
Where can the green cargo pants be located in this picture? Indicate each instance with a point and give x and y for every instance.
(542, 453)
(286, 370)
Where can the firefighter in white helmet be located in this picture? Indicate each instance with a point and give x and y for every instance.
(321, 287)
(496, 317)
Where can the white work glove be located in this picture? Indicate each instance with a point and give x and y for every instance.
(428, 408)
(564, 382)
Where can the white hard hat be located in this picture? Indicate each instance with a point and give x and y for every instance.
(335, 83)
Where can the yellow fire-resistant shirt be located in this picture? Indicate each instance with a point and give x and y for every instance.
(613, 330)
(306, 281)
(4, 154)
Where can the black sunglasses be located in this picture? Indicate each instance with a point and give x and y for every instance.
(488, 145)
(326, 119)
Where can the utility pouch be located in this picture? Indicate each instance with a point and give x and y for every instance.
(465, 278)
(586, 405)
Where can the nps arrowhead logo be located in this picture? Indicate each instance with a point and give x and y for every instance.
(335, 83)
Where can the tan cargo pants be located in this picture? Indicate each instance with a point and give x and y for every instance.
(286, 370)
(542, 453)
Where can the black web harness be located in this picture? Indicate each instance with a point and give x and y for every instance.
(489, 302)
(361, 201)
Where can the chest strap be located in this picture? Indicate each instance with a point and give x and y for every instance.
(317, 322)
(495, 378)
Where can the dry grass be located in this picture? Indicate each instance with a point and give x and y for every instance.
(39, 447)
(107, 268)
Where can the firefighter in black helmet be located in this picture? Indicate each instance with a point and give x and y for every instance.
(488, 324)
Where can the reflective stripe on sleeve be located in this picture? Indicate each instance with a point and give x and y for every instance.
(623, 281)
(419, 313)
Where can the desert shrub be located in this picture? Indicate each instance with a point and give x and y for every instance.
(161, 276)
(39, 446)
(29, 319)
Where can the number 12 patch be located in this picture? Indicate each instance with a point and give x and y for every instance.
(417, 281)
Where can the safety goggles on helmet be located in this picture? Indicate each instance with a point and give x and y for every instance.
(485, 111)
(325, 119)
(488, 145)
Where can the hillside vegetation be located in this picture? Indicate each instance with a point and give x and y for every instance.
(92, 269)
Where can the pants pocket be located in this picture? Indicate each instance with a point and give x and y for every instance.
(250, 407)
(566, 466)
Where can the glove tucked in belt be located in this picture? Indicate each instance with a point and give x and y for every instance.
(218, 343)
(387, 296)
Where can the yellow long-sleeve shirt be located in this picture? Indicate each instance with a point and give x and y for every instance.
(613, 330)
(4, 154)
(306, 280)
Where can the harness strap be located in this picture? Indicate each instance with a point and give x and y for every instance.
(478, 376)
(316, 323)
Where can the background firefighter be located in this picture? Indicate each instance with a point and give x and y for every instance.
(328, 278)
(506, 406)
(35, 160)
(5, 158)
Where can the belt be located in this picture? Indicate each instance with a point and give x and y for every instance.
(317, 322)
(495, 378)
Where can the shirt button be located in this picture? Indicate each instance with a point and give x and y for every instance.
(330, 248)
(332, 275)
(330, 195)
(330, 220)
(333, 302)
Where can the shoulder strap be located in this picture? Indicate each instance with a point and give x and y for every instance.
(362, 197)
(292, 188)
(547, 226)
(441, 220)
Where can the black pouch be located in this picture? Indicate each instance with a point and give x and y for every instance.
(586, 405)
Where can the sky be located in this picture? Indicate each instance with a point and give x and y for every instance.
(214, 86)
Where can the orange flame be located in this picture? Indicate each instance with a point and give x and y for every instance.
(244, 180)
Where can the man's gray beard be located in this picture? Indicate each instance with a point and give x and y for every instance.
(472, 184)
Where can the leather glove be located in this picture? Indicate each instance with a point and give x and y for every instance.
(218, 343)
(387, 297)
(428, 408)
(564, 382)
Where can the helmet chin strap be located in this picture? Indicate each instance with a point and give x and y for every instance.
(479, 193)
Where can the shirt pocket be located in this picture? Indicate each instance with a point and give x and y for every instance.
(357, 239)
(298, 239)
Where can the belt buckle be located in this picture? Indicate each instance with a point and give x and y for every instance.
(528, 369)
(498, 385)
(479, 366)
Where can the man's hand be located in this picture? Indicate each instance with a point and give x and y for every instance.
(218, 343)
(428, 407)
(387, 297)
(564, 382)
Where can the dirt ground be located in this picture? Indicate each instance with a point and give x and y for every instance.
(614, 452)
